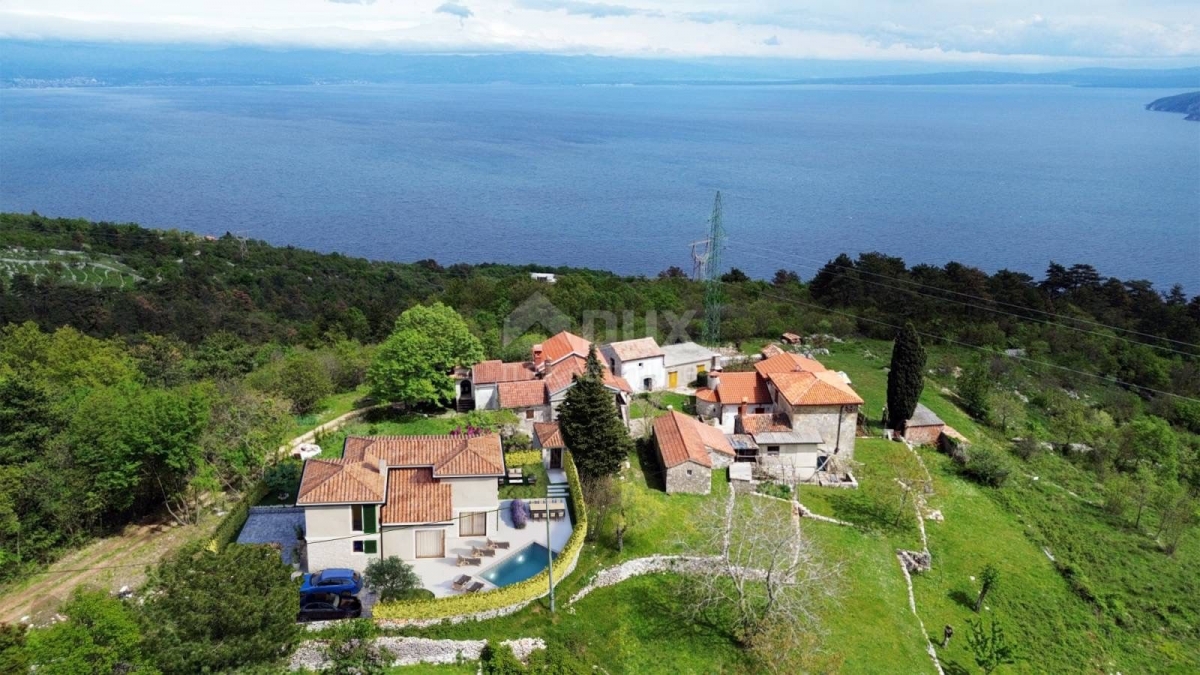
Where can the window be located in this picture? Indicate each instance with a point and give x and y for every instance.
(356, 520)
(366, 546)
(759, 410)
(772, 449)
(689, 472)
(529, 414)
(358, 546)
(362, 519)
(472, 524)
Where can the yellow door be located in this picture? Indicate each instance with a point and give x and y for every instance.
(672, 379)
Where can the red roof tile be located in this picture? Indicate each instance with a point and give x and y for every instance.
(521, 394)
(680, 439)
(771, 422)
(822, 388)
(414, 496)
(736, 388)
(548, 435)
(786, 362)
(490, 372)
(448, 455)
(340, 481)
(565, 344)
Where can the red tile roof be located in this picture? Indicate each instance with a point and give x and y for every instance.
(490, 372)
(821, 388)
(786, 362)
(560, 375)
(680, 439)
(341, 481)
(736, 388)
(414, 496)
(448, 455)
(522, 394)
(632, 350)
(771, 350)
(770, 422)
(564, 344)
(548, 435)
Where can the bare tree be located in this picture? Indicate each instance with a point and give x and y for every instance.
(765, 577)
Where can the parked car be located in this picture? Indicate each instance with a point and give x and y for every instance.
(339, 581)
(328, 607)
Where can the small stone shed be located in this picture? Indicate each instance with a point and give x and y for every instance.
(688, 451)
(924, 427)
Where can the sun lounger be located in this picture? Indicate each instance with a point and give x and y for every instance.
(461, 582)
(480, 552)
(497, 544)
(475, 587)
(468, 561)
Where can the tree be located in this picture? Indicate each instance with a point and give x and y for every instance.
(100, 635)
(1144, 486)
(591, 425)
(1150, 441)
(303, 381)
(391, 578)
(734, 276)
(766, 575)
(673, 272)
(352, 650)
(989, 647)
(974, 387)
(415, 364)
(1007, 410)
(785, 277)
(989, 578)
(906, 378)
(13, 656)
(211, 612)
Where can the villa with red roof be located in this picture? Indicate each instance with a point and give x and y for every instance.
(415, 497)
(534, 389)
(789, 405)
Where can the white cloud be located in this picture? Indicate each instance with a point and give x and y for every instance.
(979, 31)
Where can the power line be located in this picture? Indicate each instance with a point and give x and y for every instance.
(1111, 380)
(984, 307)
(976, 298)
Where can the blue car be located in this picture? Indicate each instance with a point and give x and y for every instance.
(339, 581)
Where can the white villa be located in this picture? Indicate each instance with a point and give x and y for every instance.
(425, 499)
(640, 362)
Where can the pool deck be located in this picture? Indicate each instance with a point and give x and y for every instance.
(437, 574)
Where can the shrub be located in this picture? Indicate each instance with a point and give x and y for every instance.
(988, 466)
(391, 578)
(779, 490)
(517, 443)
(500, 660)
(1027, 448)
(520, 514)
(284, 477)
(523, 458)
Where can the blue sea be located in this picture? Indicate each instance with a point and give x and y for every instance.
(622, 178)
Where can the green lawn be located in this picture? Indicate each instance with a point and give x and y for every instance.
(331, 408)
(535, 491)
(655, 404)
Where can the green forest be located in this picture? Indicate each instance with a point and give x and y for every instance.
(166, 394)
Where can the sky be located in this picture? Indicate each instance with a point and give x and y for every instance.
(1146, 32)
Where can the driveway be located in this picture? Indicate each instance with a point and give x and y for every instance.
(273, 525)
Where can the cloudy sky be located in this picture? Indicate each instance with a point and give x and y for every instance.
(983, 31)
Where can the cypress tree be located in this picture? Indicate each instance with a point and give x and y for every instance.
(906, 378)
(591, 425)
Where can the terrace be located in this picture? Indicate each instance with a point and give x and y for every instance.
(438, 574)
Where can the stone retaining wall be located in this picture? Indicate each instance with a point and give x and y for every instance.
(409, 651)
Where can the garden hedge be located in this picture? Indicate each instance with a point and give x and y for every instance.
(229, 527)
(522, 458)
(507, 596)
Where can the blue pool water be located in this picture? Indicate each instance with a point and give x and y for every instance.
(520, 566)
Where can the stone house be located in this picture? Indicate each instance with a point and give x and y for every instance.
(816, 401)
(688, 451)
(778, 449)
(924, 428)
(687, 363)
(413, 497)
(640, 362)
(548, 439)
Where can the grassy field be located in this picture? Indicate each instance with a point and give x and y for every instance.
(655, 404)
(331, 408)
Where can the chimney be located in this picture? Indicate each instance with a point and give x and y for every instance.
(742, 408)
(714, 379)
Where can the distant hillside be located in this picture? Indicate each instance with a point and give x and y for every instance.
(1188, 104)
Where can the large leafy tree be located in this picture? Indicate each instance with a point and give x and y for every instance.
(906, 378)
(100, 635)
(216, 612)
(414, 365)
(591, 425)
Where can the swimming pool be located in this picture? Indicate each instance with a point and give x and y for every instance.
(519, 566)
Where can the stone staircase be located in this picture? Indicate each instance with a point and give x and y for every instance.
(555, 488)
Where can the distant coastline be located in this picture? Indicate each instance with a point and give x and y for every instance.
(1188, 104)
